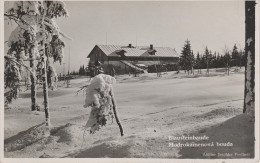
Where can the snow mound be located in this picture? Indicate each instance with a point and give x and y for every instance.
(41, 138)
(69, 134)
(221, 112)
(26, 138)
(235, 130)
(110, 149)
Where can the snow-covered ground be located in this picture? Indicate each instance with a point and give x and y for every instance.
(151, 109)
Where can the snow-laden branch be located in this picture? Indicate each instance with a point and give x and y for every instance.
(17, 20)
(12, 59)
(65, 36)
(55, 28)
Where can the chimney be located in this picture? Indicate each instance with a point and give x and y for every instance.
(151, 46)
(130, 45)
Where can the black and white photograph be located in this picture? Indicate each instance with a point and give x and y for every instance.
(130, 80)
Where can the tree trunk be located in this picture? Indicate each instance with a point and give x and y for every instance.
(249, 92)
(45, 91)
(115, 112)
(207, 68)
(33, 85)
(228, 70)
(156, 70)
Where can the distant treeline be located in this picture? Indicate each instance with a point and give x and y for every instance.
(189, 61)
(228, 58)
(82, 71)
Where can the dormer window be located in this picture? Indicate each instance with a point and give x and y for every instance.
(152, 52)
(120, 52)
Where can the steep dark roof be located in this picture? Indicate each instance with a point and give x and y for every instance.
(138, 51)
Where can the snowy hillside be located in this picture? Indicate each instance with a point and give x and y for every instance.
(151, 109)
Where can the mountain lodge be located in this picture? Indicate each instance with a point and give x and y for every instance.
(128, 59)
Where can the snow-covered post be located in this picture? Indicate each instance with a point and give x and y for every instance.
(249, 92)
(100, 97)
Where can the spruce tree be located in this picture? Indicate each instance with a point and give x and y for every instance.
(198, 62)
(80, 70)
(207, 58)
(227, 61)
(218, 61)
(83, 70)
(235, 56)
(186, 58)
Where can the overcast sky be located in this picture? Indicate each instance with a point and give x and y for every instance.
(212, 24)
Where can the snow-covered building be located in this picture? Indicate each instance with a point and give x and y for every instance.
(125, 59)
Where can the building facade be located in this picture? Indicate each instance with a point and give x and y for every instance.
(130, 59)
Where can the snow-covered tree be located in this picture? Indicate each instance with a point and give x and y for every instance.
(21, 41)
(39, 37)
(100, 98)
(12, 79)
